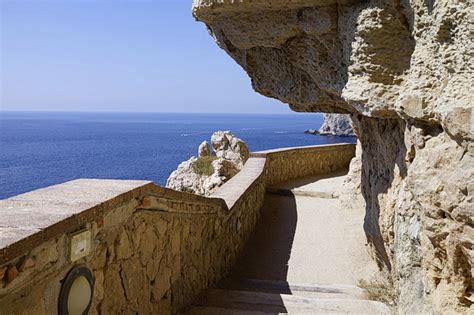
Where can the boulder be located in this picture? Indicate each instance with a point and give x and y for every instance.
(204, 149)
(229, 147)
(311, 132)
(202, 175)
(185, 179)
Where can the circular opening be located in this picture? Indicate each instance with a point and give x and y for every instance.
(79, 297)
(76, 293)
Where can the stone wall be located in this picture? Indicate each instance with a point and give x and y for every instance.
(283, 165)
(153, 249)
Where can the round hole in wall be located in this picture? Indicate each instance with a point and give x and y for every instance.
(76, 293)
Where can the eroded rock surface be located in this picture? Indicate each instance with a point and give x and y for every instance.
(204, 149)
(403, 71)
(228, 147)
(336, 125)
(203, 174)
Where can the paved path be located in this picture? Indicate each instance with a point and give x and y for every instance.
(323, 242)
(306, 256)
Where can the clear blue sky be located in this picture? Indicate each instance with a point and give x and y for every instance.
(117, 55)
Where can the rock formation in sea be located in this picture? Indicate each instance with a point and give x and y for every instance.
(203, 174)
(334, 125)
(403, 71)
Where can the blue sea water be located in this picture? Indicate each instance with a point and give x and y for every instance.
(42, 149)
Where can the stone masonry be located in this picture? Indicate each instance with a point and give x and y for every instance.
(153, 249)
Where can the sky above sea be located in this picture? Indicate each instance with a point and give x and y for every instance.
(118, 56)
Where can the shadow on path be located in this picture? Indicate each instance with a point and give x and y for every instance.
(263, 267)
(268, 250)
(325, 242)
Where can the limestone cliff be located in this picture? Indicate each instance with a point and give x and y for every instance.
(402, 70)
(336, 125)
(203, 174)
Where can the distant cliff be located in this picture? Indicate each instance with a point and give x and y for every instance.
(334, 125)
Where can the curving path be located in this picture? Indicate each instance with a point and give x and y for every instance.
(306, 256)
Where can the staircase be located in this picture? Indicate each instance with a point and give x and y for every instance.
(255, 297)
(305, 257)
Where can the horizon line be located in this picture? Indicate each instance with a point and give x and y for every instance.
(151, 112)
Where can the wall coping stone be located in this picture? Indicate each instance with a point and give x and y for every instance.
(238, 185)
(321, 147)
(32, 218)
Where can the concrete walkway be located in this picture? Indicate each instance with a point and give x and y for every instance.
(328, 245)
(306, 256)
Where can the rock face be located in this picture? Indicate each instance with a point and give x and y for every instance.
(202, 175)
(230, 148)
(336, 125)
(204, 149)
(403, 71)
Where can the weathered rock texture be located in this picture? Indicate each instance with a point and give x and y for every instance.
(336, 125)
(230, 154)
(403, 71)
(204, 149)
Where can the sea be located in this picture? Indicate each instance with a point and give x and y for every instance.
(39, 149)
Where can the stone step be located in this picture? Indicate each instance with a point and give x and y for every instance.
(205, 310)
(301, 192)
(338, 291)
(285, 303)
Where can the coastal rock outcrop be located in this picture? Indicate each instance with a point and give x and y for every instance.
(230, 148)
(403, 71)
(203, 174)
(334, 125)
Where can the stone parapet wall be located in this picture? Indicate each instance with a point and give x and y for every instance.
(153, 249)
(290, 163)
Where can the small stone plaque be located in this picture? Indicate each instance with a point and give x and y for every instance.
(79, 245)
